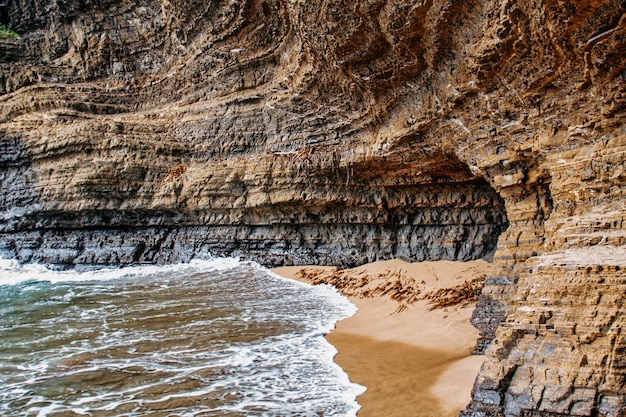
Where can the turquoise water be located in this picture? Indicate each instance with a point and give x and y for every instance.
(209, 338)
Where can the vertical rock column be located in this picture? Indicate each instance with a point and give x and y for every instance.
(561, 347)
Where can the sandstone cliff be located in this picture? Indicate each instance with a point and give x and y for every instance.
(340, 132)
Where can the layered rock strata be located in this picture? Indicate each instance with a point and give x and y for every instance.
(225, 144)
(341, 132)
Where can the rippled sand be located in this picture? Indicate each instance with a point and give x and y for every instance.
(417, 362)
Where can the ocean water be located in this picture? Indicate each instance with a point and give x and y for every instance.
(209, 338)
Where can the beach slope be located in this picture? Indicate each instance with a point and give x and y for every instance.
(410, 342)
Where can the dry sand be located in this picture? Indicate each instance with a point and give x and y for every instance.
(416, 362)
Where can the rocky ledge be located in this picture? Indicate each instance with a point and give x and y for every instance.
(341, 132)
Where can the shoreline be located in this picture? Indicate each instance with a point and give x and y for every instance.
(414, 357)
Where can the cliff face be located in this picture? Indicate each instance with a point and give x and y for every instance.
(341, 132)
(158, 131)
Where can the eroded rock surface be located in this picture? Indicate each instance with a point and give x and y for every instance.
(341, 132)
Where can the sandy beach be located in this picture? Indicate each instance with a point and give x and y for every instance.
(410, 341)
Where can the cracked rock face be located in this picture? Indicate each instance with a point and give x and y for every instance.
(341, 132)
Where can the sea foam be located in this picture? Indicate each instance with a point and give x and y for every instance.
(12, 272)
(207, 338)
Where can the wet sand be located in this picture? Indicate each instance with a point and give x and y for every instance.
(414, 360)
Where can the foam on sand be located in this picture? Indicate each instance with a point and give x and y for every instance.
(415, 360)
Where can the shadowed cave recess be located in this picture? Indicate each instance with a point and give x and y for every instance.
(344, 219)
(341, 132)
